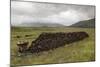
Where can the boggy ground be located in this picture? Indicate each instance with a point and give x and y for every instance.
(80, 51)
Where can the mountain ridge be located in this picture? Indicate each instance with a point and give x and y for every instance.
(40, 24)
(85, 23)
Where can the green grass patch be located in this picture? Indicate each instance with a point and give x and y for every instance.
(80, 51)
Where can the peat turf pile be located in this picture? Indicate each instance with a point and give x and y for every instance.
(22, 46)
(50, 41)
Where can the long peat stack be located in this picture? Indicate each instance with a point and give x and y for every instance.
(51, 41)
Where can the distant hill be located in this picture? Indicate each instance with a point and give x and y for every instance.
(38, 24)
(85, 24)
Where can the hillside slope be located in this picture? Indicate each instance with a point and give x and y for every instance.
(40, 24)
(85, 24)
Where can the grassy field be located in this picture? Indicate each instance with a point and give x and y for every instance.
(75, 52)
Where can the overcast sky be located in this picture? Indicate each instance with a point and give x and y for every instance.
(32, 12)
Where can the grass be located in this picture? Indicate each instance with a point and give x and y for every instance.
(75, 52)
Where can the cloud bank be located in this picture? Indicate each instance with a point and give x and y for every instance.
(66, 14)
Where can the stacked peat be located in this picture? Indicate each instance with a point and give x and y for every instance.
(22, 46)
(50, 41)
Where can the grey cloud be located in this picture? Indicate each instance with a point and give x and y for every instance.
(36, 9)
(45, 12)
